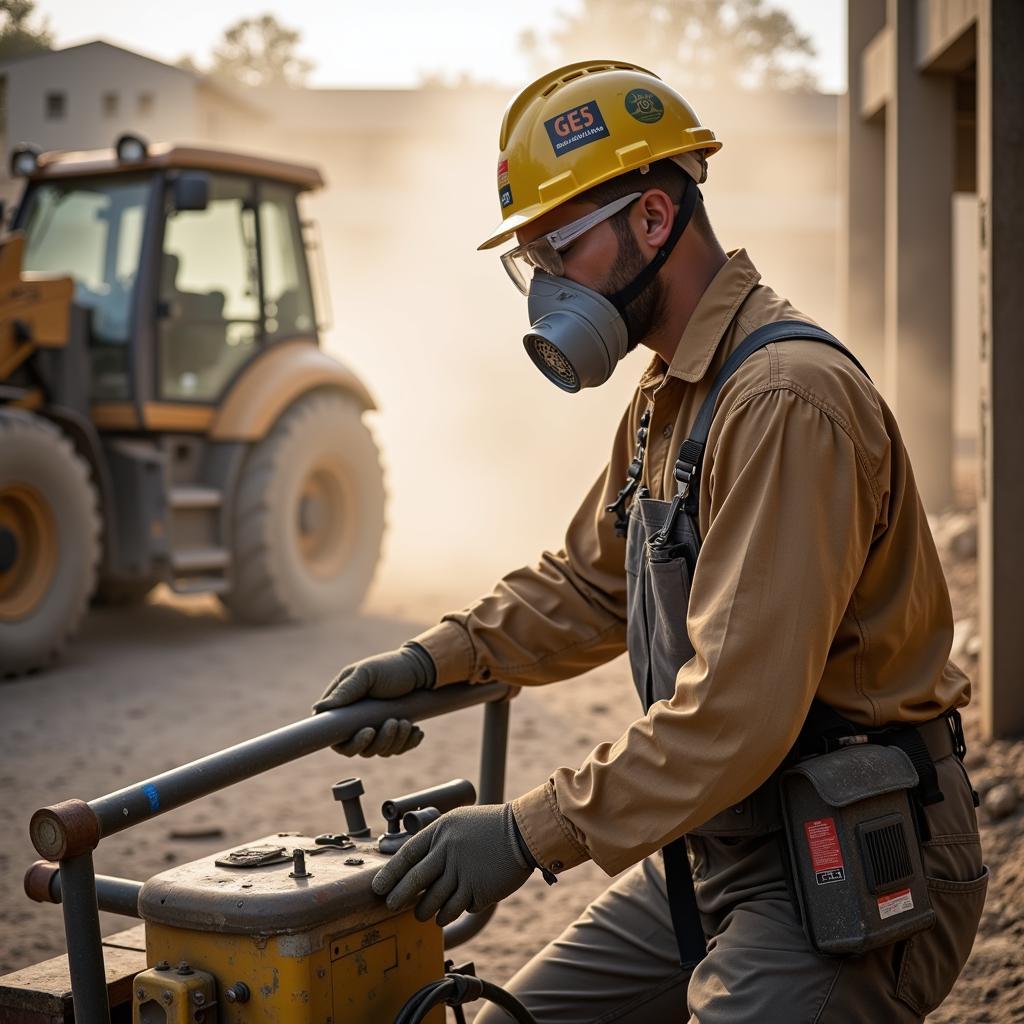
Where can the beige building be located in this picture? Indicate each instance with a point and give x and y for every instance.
(83, 97)
(934, 142)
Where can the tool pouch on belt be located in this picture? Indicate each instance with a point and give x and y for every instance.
(854, 849)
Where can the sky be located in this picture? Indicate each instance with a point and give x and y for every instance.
(355, 43)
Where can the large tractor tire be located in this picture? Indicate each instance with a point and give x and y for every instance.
(49, 541)
(309, 515)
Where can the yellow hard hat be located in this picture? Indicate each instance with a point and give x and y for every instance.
(583, 124)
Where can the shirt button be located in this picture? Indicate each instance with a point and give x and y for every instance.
(557, 865)
(667, 432)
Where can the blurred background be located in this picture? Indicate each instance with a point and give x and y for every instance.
(869, 160)
(484, 463)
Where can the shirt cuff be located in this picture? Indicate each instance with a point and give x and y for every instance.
(451, 651)
(554, 842)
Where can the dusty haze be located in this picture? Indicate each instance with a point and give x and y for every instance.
(486, 460)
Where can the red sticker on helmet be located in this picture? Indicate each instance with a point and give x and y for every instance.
(504, 189)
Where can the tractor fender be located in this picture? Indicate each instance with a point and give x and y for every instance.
(273, 381)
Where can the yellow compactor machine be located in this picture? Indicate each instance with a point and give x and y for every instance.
(166, 414)
(280, 929)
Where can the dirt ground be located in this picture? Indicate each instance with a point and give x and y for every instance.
(143, 690)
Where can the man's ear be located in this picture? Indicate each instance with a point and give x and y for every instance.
(656, 212)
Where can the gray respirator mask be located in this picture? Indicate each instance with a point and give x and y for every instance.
(577, 335)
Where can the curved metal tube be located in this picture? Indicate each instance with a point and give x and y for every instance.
(115, 895)
(72, 829)
(493, 756)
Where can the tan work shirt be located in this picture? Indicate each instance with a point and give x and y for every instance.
(818, 576)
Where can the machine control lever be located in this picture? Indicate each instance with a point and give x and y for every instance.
(348, 792)
(445, 797)
(417, 810)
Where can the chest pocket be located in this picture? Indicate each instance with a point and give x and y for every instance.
(658, 595)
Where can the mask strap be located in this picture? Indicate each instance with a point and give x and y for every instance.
(622, 298)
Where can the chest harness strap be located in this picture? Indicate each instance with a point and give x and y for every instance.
(682, 899)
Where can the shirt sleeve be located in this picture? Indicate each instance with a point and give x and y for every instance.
(788, 510)
(554, 620)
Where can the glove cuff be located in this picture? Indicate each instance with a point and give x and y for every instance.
(426, 670)
(518, 843)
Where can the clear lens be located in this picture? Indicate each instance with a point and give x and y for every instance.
(518, 269)
(545, 253)
(521, 262)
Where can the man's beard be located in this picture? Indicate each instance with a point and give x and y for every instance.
(646, 313)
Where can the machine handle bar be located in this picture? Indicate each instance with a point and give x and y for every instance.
(74, 827)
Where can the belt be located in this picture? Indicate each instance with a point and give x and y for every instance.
(938, 736)
(924, 744)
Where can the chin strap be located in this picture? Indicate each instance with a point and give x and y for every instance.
(624, 296)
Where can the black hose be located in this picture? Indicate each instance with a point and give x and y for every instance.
(508, 1002)
(456, 989)
(421, 1002)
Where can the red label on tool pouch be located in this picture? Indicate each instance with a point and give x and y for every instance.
(826, 854)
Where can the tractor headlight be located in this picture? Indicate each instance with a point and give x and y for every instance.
(130, 149)
(24, 160)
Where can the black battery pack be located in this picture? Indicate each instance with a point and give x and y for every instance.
(854, 849)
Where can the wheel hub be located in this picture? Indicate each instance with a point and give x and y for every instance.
(324, 532)
(8, 549)
(28, 550)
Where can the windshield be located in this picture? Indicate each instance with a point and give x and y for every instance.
(92, 231)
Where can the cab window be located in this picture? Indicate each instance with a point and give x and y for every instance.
(287, 303)
(92, 230)
(209, 295)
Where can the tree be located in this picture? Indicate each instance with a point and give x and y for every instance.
(261, 51)
(697, 45)
(17, 36)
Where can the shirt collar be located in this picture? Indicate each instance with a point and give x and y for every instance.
(709, 321)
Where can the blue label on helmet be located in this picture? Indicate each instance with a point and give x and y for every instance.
(576, 127)
(505, 195)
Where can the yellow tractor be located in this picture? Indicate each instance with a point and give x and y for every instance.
(166, 414)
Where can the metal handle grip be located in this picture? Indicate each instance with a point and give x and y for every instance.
(59, 831)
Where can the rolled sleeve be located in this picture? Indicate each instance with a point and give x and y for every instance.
(551, 837)
(451, 651)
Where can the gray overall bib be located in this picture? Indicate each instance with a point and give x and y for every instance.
(663, 542)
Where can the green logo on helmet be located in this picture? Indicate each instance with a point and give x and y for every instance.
(644, 106)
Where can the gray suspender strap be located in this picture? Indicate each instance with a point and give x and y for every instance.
(691, 454)
(682, 900)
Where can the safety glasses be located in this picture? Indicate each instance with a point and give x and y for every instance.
(545, 253)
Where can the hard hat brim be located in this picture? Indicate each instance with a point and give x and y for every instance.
(511, 224)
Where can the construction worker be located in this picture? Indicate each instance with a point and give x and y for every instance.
(758, 545)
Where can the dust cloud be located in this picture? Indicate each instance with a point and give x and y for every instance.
(486, 461)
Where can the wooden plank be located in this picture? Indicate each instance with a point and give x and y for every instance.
(41, 993)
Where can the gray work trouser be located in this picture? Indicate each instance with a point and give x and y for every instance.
(618, 961)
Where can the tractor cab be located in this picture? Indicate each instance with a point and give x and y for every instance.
(186, 267)
(166, 414)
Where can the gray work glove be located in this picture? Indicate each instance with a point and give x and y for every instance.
(468, 859)
(385, 677)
